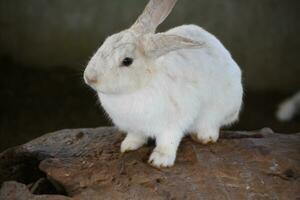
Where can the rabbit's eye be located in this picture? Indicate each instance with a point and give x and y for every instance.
(127, 62)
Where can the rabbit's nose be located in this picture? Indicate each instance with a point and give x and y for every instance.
(90, 77)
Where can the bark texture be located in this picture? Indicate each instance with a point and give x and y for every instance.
(87, 164)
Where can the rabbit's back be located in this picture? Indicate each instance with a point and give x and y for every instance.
(210, 69)
(197, 33)
(212, 60)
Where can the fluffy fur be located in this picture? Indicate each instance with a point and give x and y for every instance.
(181, 82)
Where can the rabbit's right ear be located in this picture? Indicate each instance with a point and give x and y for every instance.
(154, 14)
(156, 45)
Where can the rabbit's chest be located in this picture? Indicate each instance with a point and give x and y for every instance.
(138, 110)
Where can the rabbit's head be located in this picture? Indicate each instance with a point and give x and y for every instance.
(126, 61)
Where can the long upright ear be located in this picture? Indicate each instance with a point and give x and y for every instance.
(156, 45)
(154, 14)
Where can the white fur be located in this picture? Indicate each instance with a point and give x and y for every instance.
(189, 90)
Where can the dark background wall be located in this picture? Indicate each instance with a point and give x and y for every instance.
(263, 35)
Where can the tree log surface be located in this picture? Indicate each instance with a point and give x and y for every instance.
(88, 165)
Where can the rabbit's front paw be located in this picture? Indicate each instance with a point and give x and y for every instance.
(132, 142)
(160, 158)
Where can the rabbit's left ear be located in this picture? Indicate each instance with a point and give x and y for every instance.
(156, 45)
(154, 14)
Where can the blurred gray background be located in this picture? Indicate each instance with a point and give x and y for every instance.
(45, 44)
(263, 35)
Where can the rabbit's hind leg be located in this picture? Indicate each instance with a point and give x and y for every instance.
(205, 131)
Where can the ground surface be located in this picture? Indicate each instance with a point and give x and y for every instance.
(87, 164)
(34, 102)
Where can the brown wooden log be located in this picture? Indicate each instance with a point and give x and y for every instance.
(87, 164)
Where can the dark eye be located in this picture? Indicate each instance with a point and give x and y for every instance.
(127, 62)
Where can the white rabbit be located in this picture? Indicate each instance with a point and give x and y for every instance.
(165, 85)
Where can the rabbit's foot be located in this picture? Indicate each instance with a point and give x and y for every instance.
(133, 142)
(162, 157)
